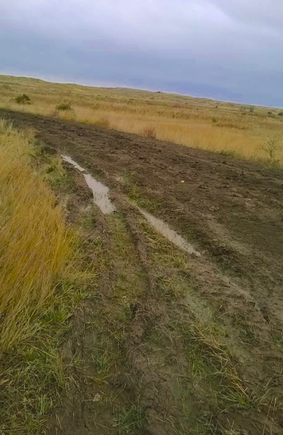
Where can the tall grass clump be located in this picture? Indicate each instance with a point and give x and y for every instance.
(64, 106)
(273, 147)
(22, 99)
(150, 132)
(34, 239)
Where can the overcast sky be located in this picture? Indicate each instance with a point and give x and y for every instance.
(222, 49)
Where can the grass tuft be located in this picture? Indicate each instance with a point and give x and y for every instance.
(64, 106)
(149, 131)
(22, 99)
(128, 420)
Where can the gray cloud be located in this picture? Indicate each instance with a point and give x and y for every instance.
(227, 50)
(262, 13)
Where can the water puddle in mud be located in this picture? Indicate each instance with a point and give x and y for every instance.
(170, 234)
(100, 192)
(101, 199)
(72, 162)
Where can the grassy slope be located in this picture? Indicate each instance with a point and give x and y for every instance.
(217, 126)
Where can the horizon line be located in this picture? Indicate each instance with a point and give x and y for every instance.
(111, 86)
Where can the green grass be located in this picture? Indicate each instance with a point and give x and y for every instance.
(34, 373)
(128, 420)
(64, 106)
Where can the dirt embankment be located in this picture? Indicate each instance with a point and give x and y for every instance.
(201, 345)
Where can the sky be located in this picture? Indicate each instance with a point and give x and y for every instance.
(223, 49)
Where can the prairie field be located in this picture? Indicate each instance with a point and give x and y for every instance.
(161, 314)
(243, 131)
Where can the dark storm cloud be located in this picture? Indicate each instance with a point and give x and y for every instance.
(217, 48)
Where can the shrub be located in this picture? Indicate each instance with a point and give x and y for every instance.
(272, 147)
(149, 132)
(64, 106)
(280, 114)
(23, 99)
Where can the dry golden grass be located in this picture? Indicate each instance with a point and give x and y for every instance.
(149, 132)
(222, 127)
(44, 274)
(34, 239)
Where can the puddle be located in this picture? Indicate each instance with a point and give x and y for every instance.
(72, 162)
(101, 199)
(100, 192)
(170, 234)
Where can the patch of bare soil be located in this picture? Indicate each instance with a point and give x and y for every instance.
(172, 343)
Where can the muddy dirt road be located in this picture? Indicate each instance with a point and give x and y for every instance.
(202, 346)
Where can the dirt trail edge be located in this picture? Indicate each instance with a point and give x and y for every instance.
(172, 343)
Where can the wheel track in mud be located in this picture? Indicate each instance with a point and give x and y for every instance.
(72, 416)
(159, 418)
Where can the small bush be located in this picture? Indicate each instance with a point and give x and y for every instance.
(149, 132)
(64, 106)
(272, 148)
(23, 99)
(280, 114)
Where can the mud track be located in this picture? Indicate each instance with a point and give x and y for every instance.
(232, 213)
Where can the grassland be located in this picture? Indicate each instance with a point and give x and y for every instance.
(106, 326)
(247, 132)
